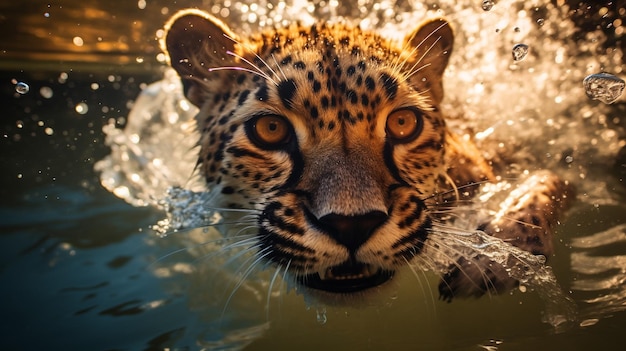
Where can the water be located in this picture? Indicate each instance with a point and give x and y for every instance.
(604, 87)
(83, 269)
(487, 5)
(519, 52)
(21, 88)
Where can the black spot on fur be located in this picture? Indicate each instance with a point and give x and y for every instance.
(390, 84)
(370, 84)
(228, 190)
(350, 71)
(241, 78)
(243, 97)
(261, 94)
(317, 86)
(286, 60)
(286, 91)
(352, 96)
(365, 100)
(324, 101)
(314, 112)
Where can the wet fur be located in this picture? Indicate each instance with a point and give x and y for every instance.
(336, 86)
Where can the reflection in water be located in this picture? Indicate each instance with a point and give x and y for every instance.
(600, 261)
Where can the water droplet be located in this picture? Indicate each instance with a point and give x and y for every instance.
(604, 87)
(78, 41)
(487, 5)
(569, 159)
(46, 92)
(63, 77)
(540, 22)
(321, 315)
(22, 88)
(519, 52)
(81, 108)
(589, 322)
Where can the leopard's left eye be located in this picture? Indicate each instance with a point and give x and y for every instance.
(404, 125)
(270, 131)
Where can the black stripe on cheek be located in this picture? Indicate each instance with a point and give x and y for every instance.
(390, 84)
(390, 163)
(286, 92)
(239, 152)
(271, 218)
(414, 240)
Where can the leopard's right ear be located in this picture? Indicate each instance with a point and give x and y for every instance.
(196, 42)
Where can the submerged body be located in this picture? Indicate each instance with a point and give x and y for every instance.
(334, 136)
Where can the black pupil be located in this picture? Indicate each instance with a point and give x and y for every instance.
(401, 121)
(272, 127)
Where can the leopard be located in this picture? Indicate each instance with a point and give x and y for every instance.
(334, 137)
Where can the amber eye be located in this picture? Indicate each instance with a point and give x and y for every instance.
(404, 125)
(270, 130)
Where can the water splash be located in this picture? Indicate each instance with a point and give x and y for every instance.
(519, 52)
(487, 5)
(320, 315)
(154, 151)
(22, 88)
(529, 270)
(604, 87)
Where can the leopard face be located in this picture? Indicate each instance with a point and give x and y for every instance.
(331, 133)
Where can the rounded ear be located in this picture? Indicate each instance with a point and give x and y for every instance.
(195, 42)
(431, 45)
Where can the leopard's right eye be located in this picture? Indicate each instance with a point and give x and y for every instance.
(404, 125)
(269, 131)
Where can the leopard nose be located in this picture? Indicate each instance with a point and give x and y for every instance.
(353, 231)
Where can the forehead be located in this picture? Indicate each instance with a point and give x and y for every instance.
(330, 75)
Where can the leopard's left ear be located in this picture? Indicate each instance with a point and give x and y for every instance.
(195, 42)
(431, 44)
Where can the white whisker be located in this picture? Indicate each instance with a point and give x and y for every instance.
(279, 68)
(269, 292)
(258, 57)
(261, 255)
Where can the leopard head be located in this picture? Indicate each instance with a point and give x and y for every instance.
(331, 133)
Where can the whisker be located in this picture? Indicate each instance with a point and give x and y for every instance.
(237, 68)
(262, 254)
(218, 241)
(269, 292)
(430, 266)
(417, 277)
(258, 57)
(279, 68)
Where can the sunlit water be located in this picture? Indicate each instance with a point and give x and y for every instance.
(180, 294)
